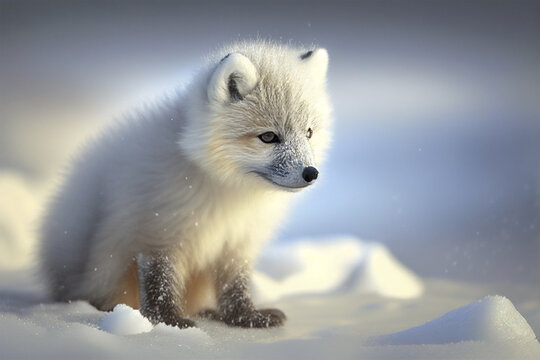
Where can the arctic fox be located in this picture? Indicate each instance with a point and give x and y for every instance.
(165, 212)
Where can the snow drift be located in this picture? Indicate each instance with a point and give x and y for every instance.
(331, 265)
(492, 319)
(124, 320)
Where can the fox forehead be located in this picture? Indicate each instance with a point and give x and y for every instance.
(262, 112)
(275, 104)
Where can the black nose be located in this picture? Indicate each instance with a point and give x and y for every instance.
(310, 173)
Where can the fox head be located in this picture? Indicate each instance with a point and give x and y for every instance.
(263, 118)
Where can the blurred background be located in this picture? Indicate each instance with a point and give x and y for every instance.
(436, 150)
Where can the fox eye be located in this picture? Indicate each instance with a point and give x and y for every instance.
(269, 137)
(309, 133)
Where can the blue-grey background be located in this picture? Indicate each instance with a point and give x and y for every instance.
(436, 150)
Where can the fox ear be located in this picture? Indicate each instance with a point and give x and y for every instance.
(234, 77)
(318, 61)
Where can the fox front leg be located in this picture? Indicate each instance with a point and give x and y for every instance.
(234, 302)
(162, 289)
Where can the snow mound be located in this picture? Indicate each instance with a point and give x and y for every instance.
(492, 319)
(329, 266)
(124, 320)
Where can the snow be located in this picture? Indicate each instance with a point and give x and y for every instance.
(494, 319)
(124, 320)
(332, 265)
(342, 318)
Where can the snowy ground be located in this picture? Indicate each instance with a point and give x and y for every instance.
(346, 317)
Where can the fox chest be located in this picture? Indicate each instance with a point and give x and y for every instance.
(204, 234)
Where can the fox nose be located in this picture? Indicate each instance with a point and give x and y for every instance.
(310, 173)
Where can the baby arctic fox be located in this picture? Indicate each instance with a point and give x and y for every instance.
(165, 212)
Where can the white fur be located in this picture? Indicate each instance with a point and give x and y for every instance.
(178, 175)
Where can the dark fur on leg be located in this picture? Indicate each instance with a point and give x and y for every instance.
(161, 290)
(237, 309)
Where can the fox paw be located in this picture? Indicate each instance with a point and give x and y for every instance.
(264, 318)
(172, 320)
(183, 323)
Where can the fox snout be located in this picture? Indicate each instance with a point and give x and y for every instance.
(292, 180)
